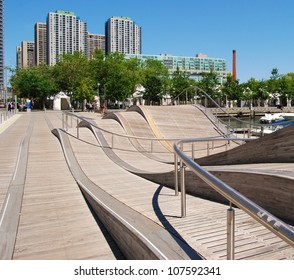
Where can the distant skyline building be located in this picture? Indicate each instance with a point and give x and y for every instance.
(95, 41)
(123, 35)
(66, 33)
(26, 54)
(195, 66)
(2, 78)
(40, 43)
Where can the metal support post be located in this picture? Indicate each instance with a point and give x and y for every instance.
(176, 170)
(183, 189)
(66, 124)
(193, 156)
(62, 120)
(230, 233)
(78, 129)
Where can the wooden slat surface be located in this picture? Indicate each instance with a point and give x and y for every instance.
(55, 222)
(204, 228)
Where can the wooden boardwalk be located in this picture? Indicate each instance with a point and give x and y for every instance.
(56, 223)
(54, 219)
(204, 228)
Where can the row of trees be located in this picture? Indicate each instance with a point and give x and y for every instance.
(115, 78)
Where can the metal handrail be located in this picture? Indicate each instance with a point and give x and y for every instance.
(253, 127)
(274, 224)
(65, 126)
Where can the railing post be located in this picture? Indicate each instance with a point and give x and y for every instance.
(183, 189)
(262, 131)
(249, 132)
(176, 170)
(112, 141)
(230, 233)
(66, 124)
(78, 129)
(62, 120)
(183, 186)
(208, 148)
(193, 155)
(151, 146)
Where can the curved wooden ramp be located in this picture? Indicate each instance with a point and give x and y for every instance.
(204, 228)
(277, 147)
(137, 236)
(250, 180)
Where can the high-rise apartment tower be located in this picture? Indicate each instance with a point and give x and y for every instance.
(95, 41)
(40, 43)
(66, 33)
(123, 35)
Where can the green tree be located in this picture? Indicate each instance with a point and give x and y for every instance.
(231, 89)
(71, 73)
(116, 76)
(287, 88)
(209, 83)
(155, 81)
(35, 83)
(273, 84)
(179, 82)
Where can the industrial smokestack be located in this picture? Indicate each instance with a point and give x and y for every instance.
(234, 74)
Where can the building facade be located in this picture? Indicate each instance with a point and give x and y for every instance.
(40, 43)
(2, 82)
(26, 54)
(66, 33)
(123, 35)
(194, 66)
(95, 41)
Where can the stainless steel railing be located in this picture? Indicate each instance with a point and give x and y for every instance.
(252, 129)
(182, 160)
(275, 225)
(68, 121)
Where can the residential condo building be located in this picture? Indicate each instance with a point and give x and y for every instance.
(95, 41)
(123, 35)
(26, 54)
(66, 33)
(194, 66)
(40, 43)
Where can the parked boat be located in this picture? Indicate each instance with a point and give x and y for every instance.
(271, 118)
(276, 117)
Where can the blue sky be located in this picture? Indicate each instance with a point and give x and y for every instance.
(261, 31)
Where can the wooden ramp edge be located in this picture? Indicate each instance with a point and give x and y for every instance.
(137, 236)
